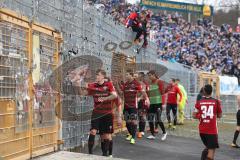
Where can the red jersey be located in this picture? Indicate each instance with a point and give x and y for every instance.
(117, 101)
(133, 16)
(96, 90)
(145, 87)
(148, 17)
(207, 110)
(173, 91)
(132, 20)
(130, 90)
(160, 84)
(164, 98)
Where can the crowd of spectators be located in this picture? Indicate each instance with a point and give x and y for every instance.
(200, 45)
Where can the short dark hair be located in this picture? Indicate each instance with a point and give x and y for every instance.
(177, 80)
(130, 72)
(208, 89)
(102, 72)
(152, 72)
(141, 73)
(173, 79)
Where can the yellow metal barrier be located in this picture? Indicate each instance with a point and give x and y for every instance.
(210, 78)
(120, 64)
(28, 53)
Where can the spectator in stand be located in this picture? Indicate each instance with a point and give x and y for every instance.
(144, 18)
(201, 46)
(133, 21)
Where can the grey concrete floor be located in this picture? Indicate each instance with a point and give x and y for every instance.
(174, 148)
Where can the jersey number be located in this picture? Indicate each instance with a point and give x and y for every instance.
(207, 112)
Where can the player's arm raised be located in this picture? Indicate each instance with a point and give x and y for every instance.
(77, 80)
(112, 96)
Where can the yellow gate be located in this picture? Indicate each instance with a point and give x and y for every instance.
(210, 78)
(28, 54)
(120, 64)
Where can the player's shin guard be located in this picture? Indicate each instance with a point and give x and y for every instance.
(235, 136)
(142, 124)
(162, 127)
(91, 143)
(110, 147)
(134, 130)
(151, 124)
(156, 125)
(105, 147)
(204, 154)
(102, 148)
(128, 125)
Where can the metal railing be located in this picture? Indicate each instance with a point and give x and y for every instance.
(85, 31)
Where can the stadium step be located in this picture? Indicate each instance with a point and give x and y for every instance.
(64, 155)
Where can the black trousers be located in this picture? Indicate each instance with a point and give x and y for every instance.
(154, 116)
(172, 107)
(139, 32)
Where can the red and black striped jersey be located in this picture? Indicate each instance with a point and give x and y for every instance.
(130, 91)
(104, 90)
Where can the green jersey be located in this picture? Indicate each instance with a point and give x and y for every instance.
(154, 93)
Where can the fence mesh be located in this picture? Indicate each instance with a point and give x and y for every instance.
(86, 30)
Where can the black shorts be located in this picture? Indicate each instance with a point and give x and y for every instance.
(103, 123)
(140, 104)
(141, 107)
(155, 107)
(238, 118)
(154, 110)
(210, 140)
(172, 107)
(130, 114)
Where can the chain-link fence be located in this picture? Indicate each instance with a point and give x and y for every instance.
(87, 30)
(27, 55)
(188, 78)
